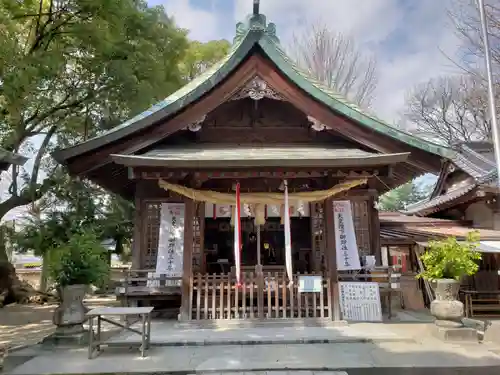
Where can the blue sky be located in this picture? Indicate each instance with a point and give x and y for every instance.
(411, 39)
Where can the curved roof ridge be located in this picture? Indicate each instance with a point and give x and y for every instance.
(332, 93)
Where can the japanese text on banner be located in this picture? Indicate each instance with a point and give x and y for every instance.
(171, 241)
(345, 237)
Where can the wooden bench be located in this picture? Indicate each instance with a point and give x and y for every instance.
(101, 313)
(481, 303)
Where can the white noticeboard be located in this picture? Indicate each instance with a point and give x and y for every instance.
(345, 237)
(310, 284)
(360, 301)
(171, 241)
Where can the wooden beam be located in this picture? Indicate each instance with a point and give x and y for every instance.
(137, 245)
(152, 173)
(331, 259)
(375, 230)
(187, 265)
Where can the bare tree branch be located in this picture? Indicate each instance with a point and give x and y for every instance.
(449, 110)
(455, 109)
(335, 60)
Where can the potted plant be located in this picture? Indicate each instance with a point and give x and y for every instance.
(446, 262)
(74, 266)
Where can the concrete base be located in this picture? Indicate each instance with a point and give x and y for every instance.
(13, 359)
(456, 334)
(265, 323)
(62, 339)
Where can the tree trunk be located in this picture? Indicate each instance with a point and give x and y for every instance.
(44, 273)
(12, 289)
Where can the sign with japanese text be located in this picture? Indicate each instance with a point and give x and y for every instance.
(360, 301)
(171, 241)
(345, 237)
(310, 284)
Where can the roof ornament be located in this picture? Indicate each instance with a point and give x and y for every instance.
(196, 126)
(257, 89)
(317, 125)
(256, 5)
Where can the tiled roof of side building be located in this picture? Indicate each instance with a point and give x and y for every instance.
(478, 162)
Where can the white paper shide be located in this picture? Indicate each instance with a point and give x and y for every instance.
(345, 237)
(171, 242)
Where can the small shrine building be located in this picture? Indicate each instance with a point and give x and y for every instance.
(257, 120)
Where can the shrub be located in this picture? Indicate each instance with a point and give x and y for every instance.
(81, 260)
(451, 259)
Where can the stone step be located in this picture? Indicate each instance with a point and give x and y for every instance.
(328, 359)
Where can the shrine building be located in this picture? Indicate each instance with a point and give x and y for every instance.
(255, 120)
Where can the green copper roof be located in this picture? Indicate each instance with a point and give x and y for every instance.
(255, 31)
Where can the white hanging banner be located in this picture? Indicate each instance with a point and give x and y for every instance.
(171, 241)
(237, 235)
(345, 237)
(288, 239)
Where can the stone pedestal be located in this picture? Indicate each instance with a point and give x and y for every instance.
(455, 334)
(446, 307)
(69, 317)
(445, 310)
(449, 313)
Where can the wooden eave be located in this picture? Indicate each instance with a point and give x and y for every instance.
(244, 157)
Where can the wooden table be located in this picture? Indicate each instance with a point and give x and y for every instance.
(101, 312)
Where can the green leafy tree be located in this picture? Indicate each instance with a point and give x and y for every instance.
(76, 206)
(67, 65)
(398, 199)
(69, 69)
(451, 259)
(201, 56)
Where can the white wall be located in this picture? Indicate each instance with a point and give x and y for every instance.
(481, 216)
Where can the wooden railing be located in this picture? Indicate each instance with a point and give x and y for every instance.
(264, 295)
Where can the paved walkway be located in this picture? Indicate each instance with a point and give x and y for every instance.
(360, 348)
(350, 356)
(167, 334)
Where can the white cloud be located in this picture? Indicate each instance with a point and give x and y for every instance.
(202, 24)
(421, 31)
(355, 17)
(412, 40)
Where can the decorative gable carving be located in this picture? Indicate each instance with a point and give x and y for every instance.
(196, 126)
(317, 125)
(257, 89)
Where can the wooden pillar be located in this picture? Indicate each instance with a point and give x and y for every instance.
(331, 259)
(138, 234)
(375, 231)
(187, 265)
(259, 260)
